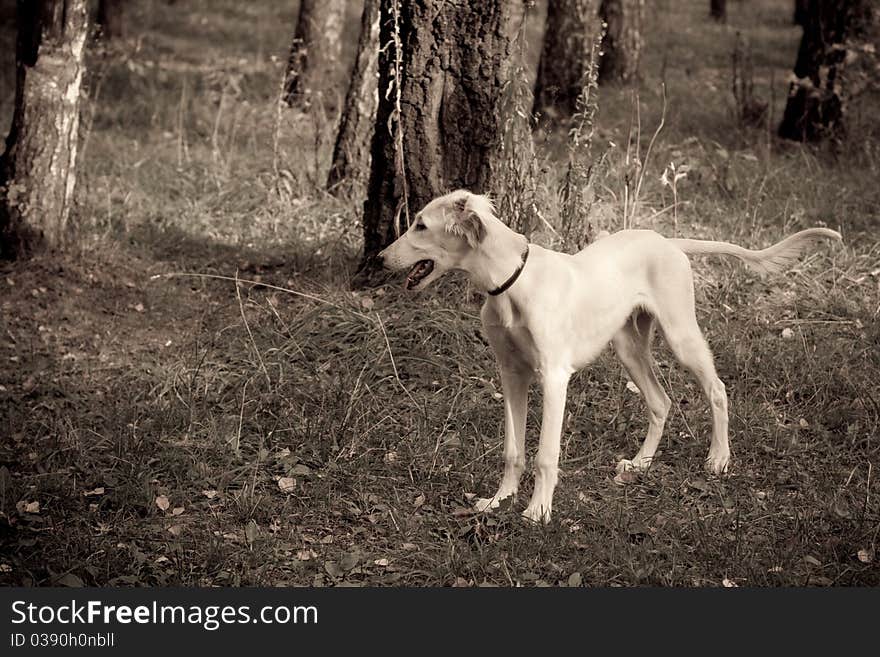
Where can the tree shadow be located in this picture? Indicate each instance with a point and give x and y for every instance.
(327, 264)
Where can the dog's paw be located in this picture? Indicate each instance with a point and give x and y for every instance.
(482, 504)
(625, 465)
(638, 464)
(628, 471)
(537, 514)
(717, 463)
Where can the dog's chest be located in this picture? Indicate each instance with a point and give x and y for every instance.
(517, 344)
(512, 338)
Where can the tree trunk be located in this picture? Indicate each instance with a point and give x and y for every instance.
(816, 98)
(622, 46)
(445, 128)
(38, 167)
(351, 154)
(315, 50)
(718, 10)
(111, 19)
(800, 11)
(565, 56)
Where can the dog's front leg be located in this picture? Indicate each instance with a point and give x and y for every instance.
(515, 383)
(555, 386)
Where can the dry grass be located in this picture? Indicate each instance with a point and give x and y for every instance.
(383, 409)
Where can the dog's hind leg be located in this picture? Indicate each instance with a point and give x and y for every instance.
(684, 337)
(515, 382)
(633, 347)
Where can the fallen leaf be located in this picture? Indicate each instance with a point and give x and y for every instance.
(632, 387)
(287, 484)
(70, 580)
(866, 556)
(176, 511)
(139, 307)
(350, 560)
(699, 484)
(729, 583)
(32, 507)
(419, 501)
(381, 562)
(175, 530)
(163, 503)
(812, 560)
(575, 579)
(367, 303)
(251, 531)
(210, 494)
(95, 491)
(333, 569)
(787, 333)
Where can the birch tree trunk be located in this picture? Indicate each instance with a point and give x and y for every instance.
(565, 55)
(315, 49)
(622, 46)
(816, 99)
(351, 154)
(38, 167)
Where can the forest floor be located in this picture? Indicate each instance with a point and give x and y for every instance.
(162, 425)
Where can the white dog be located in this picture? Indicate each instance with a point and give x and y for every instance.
(548, 314)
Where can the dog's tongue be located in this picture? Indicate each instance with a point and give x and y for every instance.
(419, 270)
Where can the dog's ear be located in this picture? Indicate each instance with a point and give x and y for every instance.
(465, 223)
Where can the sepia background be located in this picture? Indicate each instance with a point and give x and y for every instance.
(311, 423)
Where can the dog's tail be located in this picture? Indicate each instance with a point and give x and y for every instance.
(772, 260)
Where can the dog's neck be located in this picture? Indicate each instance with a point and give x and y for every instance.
(498, 256)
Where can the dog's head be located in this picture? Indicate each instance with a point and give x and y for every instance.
(443, 235)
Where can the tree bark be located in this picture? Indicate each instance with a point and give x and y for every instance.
(815, 104)
(800, 11)
(622, 46)
(315, 50)
(446, 125)
(718, 10)
(565, 55)
(38, 167)
(351, 154)
(110, 17)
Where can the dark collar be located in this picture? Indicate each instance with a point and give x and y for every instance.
(515, 275)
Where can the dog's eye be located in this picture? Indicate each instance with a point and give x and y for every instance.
(421, 226)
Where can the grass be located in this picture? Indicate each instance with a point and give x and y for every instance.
(334, 438)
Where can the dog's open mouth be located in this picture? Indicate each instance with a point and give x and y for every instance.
(418, 273)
